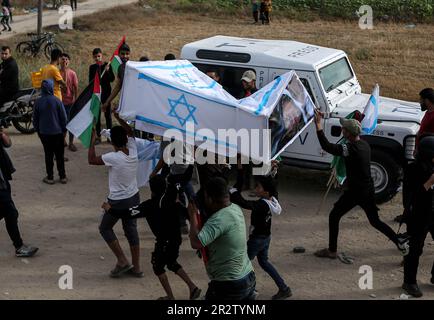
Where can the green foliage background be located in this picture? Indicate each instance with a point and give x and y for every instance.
(420, 10)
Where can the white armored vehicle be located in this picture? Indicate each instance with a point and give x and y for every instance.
(330, 80)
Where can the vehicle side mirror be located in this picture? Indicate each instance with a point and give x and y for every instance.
(336, 131)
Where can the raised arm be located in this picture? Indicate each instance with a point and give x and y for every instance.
(235, 192)
(116, 89)
(125, 125)
(332, 148)
(92, 158)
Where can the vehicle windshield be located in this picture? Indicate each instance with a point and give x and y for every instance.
(335, 74)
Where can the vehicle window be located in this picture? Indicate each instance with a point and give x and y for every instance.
(335, 74)
(230, 77)
(308, 88)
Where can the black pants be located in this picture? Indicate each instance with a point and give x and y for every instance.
(10, 214)
(265, 17)
(54, 147)
(5, 23)
(74, 4)
(108, 121)
(347, 202)
(417, 232)
(256, 16)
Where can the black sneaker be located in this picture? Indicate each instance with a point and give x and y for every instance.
(282, 294)
(412, 290)
(26, 251)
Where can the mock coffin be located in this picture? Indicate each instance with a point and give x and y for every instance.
(174, 95)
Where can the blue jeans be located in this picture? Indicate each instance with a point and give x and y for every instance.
(257, 246)
(242, 289)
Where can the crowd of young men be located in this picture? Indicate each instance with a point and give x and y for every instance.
(217, 225)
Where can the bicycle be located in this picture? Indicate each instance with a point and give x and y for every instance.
(33, 47)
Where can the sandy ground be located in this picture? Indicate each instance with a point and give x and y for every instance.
(28, 22)
(63, 221)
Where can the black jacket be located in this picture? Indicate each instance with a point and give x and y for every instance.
(105, 81)
(6, 167)
(357, 156)
(262, 210)
(9, 77)
(417, 201)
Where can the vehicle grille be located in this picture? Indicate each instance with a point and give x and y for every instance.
(410, 146)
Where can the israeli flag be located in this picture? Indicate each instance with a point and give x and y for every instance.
(369, 122)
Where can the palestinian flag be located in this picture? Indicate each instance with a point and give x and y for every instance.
(85, 110)
(115, 60)
(339, 171)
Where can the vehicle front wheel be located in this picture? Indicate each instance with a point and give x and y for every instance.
(386, 174)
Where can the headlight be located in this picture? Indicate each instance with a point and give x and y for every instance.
(409, 147)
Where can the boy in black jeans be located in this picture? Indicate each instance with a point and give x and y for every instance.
(260, 228)
(162, 213)
(8, 211)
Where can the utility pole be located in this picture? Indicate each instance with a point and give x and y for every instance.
(40, 7)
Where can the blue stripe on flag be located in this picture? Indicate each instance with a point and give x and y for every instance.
(267, 95)
(148, 78)
(182, 66)
(169, 126)
(374, 102)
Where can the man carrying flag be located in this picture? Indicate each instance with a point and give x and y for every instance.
(81, 124)
(359, 185)
(118, 64)
(106, 76)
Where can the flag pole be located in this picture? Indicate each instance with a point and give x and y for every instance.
(329, 186)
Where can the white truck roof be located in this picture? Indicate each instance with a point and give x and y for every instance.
(280, 54)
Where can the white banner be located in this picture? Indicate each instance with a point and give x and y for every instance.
(175, 95)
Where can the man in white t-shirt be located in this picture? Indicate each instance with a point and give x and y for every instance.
(124, 194)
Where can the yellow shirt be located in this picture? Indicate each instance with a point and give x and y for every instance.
(52, 72)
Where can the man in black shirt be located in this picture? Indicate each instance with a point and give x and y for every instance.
(9, 84)
(162, 212)
(106, 77)
(417, 198)
(360, 187)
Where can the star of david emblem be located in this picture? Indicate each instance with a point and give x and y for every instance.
(182, 110)
(183, 77)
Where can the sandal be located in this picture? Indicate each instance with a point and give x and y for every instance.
(325, 253)
(195, 293)
(118, 270)
(132, 273)
(345, 259)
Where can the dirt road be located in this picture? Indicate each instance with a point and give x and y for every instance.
(63, 221)
(28, 23)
